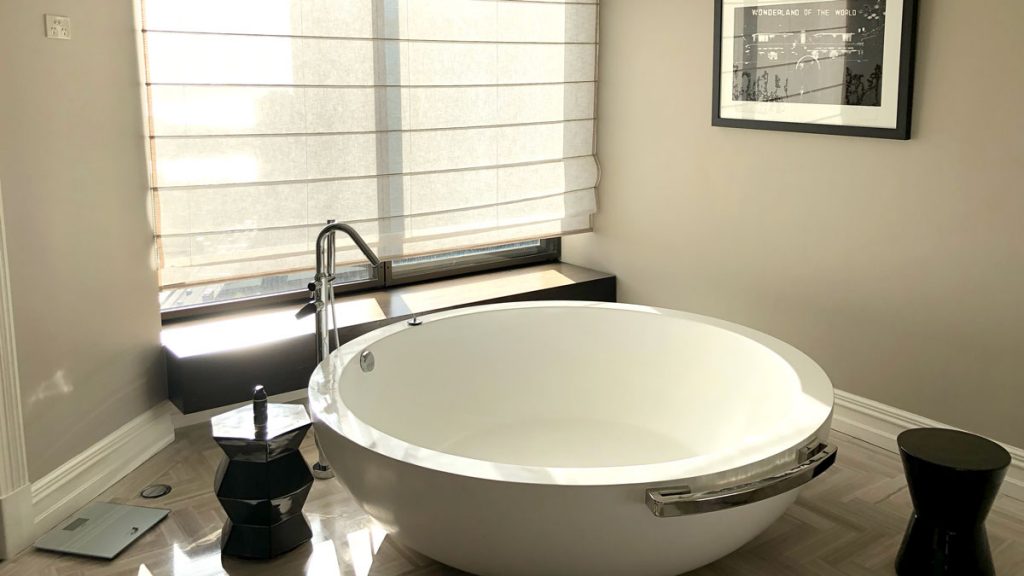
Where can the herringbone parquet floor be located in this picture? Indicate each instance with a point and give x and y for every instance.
(846, 523)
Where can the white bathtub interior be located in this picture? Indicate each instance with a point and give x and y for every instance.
(585, 386)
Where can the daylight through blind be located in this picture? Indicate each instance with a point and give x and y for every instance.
(429, 125)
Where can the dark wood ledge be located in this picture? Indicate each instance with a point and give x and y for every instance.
(214, 362)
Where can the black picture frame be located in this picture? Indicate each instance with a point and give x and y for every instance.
(904, 101)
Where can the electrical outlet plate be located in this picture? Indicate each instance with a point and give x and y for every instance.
(58, 27)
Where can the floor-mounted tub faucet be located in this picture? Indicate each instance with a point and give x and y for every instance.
(322, 288)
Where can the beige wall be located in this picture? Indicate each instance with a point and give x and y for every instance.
(72, 163)
(898, 266)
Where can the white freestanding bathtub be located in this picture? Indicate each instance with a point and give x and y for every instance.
(572, 438)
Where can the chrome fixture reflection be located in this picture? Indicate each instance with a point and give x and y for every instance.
(366, 361)
(680, 500)
(322, 289)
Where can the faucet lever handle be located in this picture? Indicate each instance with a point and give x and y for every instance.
(308, 309)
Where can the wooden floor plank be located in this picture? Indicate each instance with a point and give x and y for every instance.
(848, 522)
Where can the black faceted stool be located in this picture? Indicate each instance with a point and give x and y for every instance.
(953, 478)
(262, 481)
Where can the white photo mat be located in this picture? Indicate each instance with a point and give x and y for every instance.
(884, 116)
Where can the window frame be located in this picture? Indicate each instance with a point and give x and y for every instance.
(548, 250)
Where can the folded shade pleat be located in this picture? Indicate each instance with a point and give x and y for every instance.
(430, 125)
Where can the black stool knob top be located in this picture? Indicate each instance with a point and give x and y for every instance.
(953, 449)
(259, 408)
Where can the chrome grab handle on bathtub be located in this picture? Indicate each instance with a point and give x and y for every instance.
(681, 501)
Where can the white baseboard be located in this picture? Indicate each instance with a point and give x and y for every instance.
(879, 424)
(182, 420)
(81, 479)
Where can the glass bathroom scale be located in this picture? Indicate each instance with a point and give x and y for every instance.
(101, 530)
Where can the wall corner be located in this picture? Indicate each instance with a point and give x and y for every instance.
(15, 491)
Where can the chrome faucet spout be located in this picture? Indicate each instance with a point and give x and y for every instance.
(328, 232)
(322, 288)
(322, 285)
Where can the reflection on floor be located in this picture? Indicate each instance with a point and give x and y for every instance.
(848, 522)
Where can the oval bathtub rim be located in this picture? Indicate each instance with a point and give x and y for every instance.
(700, 472)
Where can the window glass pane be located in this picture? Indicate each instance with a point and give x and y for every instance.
(232, 290)
(450, 257)
(296, 282)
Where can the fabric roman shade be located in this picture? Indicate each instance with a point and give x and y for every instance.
(429, 125)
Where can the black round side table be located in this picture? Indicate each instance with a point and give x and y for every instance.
(953, 478)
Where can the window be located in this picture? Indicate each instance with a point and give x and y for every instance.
(440, 129)
(183, 301)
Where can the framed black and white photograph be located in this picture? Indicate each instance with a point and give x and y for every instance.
(823, 66)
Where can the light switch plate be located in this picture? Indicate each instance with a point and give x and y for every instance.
(58, 27)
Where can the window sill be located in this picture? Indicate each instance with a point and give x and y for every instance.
(214, 362)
